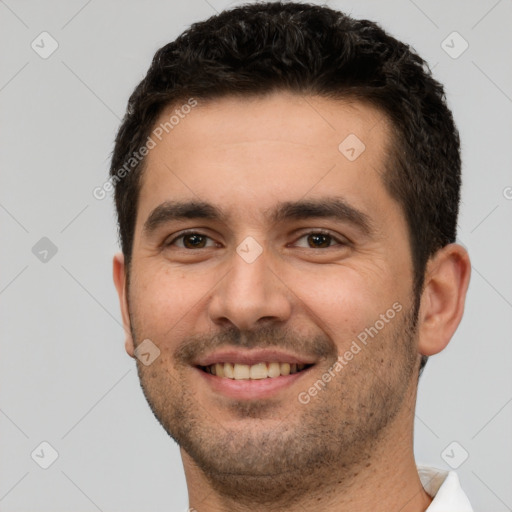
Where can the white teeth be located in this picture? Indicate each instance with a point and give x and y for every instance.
(254, 372)
(241, 371)
(259, 371)
(274, 370)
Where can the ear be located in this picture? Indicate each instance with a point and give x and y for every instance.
(119, 274)
(442, 301)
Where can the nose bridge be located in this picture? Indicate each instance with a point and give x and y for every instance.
(250, 291)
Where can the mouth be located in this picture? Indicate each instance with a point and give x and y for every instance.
(252, 374)
(258, 371)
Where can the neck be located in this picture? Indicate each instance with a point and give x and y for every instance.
(386, 480)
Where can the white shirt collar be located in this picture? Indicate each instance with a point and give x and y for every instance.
(444, 487)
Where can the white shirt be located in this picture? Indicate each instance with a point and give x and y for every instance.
(444, 487)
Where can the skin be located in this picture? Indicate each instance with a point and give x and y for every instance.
(351, 446)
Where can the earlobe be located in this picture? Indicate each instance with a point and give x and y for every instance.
(442, 301)
(119, 276)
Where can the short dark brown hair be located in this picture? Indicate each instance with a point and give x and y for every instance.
(266, 47)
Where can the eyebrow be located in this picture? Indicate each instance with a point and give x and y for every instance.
(330, 208)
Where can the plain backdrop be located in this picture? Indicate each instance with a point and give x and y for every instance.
(65, 377)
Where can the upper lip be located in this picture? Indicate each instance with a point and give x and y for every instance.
(251, 357)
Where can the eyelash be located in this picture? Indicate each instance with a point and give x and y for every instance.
(314, 232)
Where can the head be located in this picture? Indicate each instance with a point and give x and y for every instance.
(271, 102)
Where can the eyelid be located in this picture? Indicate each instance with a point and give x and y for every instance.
(341, 240)
(180, 234)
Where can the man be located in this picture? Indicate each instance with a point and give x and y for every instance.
(287, 183)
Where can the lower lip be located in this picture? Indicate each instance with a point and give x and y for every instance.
(250, 389)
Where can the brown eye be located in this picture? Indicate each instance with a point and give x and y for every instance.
(319, 240)
(191, 241)
(194, 241)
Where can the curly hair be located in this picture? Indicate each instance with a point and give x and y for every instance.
(261, 48)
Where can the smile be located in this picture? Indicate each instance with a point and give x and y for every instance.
(258, 371)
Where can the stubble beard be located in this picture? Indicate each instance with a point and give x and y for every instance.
(325, 442)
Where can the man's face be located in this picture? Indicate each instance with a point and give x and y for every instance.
(265, 276)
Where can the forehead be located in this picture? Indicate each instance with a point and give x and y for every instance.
(250, 152)
(281, 117)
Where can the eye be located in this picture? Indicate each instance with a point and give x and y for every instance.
(320, 240)
(191, 240)
(196, 240)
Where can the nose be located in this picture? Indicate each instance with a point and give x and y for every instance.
(250, 293)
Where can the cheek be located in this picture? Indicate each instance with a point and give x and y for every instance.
(164, 299)
(344, 301)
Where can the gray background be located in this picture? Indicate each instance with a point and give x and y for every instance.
(65, 377)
